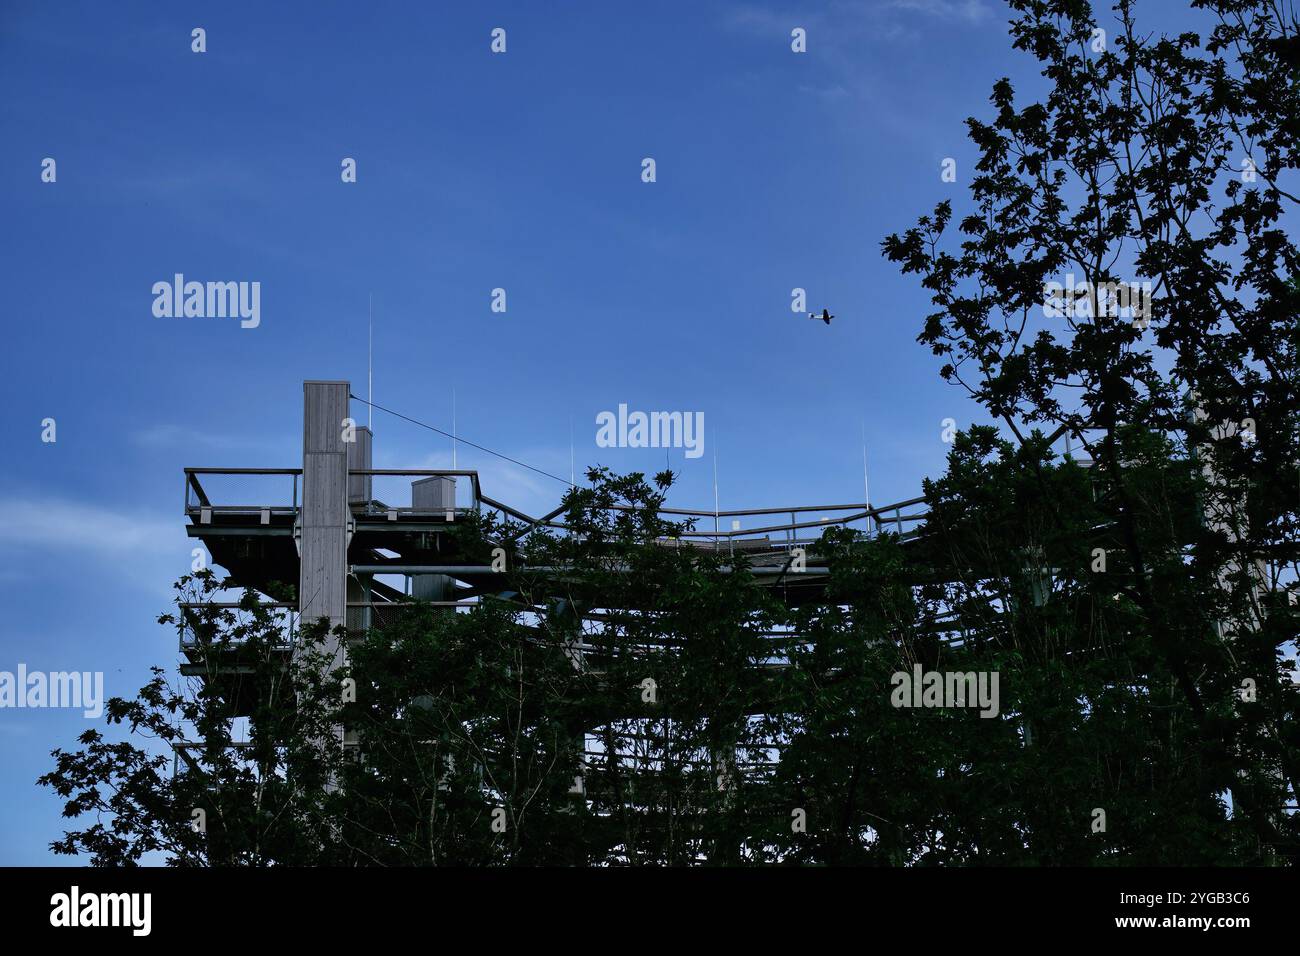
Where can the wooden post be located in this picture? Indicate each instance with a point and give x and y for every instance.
(323, 544)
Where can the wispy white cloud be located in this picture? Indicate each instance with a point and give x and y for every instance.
(833, 92)
(843, 73)
(148, 549)
(56, 524)
(838, 29)
(967, 11)
(763, 20)
(531, 493)
(179, 436)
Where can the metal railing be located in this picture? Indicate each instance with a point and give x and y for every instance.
(190, 639)
(384, 505)
(199, 499)
(892, 517)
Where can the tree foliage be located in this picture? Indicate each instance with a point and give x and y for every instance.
(1165, 158)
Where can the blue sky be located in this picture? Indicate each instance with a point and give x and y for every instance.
(475, 171)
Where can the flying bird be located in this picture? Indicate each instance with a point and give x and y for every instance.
(825, 316)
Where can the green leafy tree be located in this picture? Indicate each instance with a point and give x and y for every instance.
(234, 798)
(1161, 157)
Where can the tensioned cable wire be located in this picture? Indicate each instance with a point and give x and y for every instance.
(463, 441)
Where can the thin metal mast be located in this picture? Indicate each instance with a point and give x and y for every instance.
(866, 488)
(370, 368)
(715, 492)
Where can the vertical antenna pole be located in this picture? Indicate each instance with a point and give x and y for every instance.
(453, 428)
(866, 488)
(715, 494)
(370, 368)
